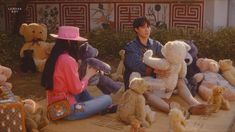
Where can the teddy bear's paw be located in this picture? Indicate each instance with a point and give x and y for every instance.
(145, 124)
(148, 53)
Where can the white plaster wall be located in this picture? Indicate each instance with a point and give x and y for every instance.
(220, 13)
(209, 14)
(216, 14)
(231, 19)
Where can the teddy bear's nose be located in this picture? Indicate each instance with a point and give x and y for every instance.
(186, 60)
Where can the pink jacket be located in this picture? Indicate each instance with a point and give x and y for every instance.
(66, 80)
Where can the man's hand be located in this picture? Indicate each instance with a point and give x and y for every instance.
(162, 73)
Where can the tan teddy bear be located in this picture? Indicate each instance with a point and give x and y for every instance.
(174, 53)
(177, 120)
(118, 75)
(5, 74)
(218, 100)
(228, 71)
(210, 79)
(35, 39)
(132, 103)
(136, 127)
(36, 118)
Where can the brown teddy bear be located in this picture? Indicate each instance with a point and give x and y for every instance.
(218, 100)
(177, 120)
(35, 39)
(210, 79)
(118, 75)
(136, 127)
(132, 103)
(36, 118)
(5, 73)
(228, 71)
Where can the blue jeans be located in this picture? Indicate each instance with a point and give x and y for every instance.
(90, 106)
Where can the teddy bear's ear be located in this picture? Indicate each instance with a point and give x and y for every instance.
(165, 47)
(43, 25)
(229, 61)
(214, 66)
(199, 61)
(121, 52)
(187, 46)
(23, 28)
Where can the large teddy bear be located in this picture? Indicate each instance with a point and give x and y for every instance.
(87, 55)
(132, 103)
(192, 69)
(36, 117)
(174, 53)
(35, 36)
(228, 71)
(210, 79)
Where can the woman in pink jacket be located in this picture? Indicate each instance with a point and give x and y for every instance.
(61, 79)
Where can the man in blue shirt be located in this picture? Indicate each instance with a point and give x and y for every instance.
(133, 62)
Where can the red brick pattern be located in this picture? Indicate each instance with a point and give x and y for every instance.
(75, 14)
(185, 14)
(30, 13)
(126, 13)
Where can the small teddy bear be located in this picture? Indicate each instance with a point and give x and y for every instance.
(177, 120)
(228, 71)
(132, 103)
(118, 75)
(136, 127)
(174, 53)
(210, 78)
(218, 100)
(36, 118)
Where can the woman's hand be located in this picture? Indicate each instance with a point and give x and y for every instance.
(90, 71)
(162, 73)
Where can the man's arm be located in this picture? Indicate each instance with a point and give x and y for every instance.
(133, 60)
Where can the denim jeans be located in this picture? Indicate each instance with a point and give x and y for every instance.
(90, 106)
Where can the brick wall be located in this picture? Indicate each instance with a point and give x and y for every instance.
(93, 14)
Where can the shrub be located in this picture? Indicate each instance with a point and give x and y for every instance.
(10, 49)
(216, 45)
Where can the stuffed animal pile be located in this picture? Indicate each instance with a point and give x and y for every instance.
(132, 103)
(174, 53)
(35, 36)
(210, 79)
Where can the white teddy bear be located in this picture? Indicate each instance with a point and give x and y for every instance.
(174, 53)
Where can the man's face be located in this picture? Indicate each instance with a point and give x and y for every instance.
(143, 31)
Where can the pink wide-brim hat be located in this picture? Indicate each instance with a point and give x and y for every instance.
(69, 33)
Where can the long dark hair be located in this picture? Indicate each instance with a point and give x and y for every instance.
(61, 46)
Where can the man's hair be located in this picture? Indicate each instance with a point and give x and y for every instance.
(140, 21)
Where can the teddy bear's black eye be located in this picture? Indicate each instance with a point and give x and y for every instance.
(41, 32)
(33, 31)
